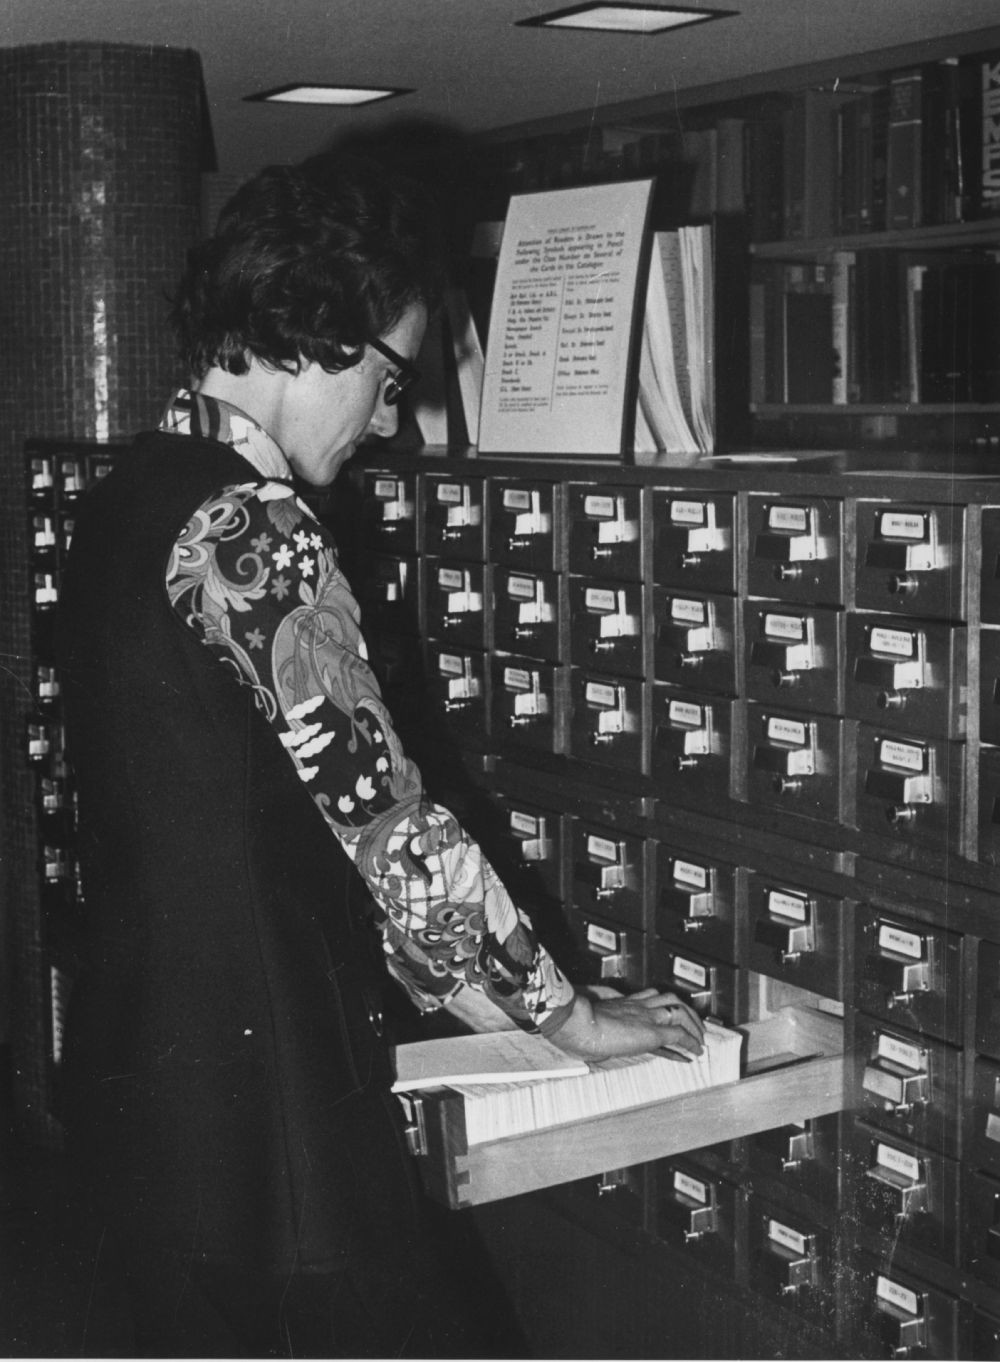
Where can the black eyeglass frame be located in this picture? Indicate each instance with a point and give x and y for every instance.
(397, 383)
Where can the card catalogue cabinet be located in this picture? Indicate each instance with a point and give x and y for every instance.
(760, 766)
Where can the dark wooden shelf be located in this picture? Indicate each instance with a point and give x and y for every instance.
(982, 231)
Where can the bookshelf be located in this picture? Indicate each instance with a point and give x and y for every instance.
(886, 163)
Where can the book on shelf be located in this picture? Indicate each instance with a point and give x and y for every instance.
(809, 163)
(931, 145)
(798, 331)
(763, 164)
(675, 404)
(467, 352)
(960, 332)
(447, 402)
(981, 135)
(430, 403)
(862, 130)
(700, 151)
(730, 173)
(904, 180)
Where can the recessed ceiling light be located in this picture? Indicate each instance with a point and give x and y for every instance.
(350, 95)
(619, 16)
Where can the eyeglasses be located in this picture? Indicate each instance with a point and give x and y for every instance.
(405, 377)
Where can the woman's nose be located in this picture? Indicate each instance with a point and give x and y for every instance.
(385, 419)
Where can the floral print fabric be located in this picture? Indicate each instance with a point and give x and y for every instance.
(257, 578)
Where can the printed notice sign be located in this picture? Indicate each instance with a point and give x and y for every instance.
(559, 376)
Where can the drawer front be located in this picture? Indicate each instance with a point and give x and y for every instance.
(528, 613)
(910, 1085)
(695, 902)
(987, 830)
(609, 720)
(796, 934)
(611, 1204)
(794, 549)
(609, 952)
(903, 1192)
(988, 999)
(692, 746)
(912, 790)
(801, 1157)
(795, 656)
(909, 972)
(694, 640)
(984, 1117)
(607, 625)
(604, 529)
(388, 592)
(790, 1260)
(695, 1213)
(798, 762)
(694, 539)
(396, 659)
(984, 1336)
(528, 703)
(524, 524)
(911, 559)
(709, 986)
(609, 874)
(457, 602)
(989, 685)
(454, 517)
(537, 835)
(908, 674)
(989, 600)
(389, 511)
(458, 682)
(981, 1253)
(900, 1314)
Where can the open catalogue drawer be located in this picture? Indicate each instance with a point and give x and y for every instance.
(793, 1069)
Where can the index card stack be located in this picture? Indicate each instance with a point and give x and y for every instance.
(494, 1111)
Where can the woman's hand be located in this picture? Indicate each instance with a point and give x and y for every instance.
(604, 1028)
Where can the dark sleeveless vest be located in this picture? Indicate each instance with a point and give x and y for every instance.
(225, 1090)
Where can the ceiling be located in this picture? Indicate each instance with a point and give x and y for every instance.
(469, 67)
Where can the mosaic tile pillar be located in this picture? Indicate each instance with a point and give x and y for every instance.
(101, 152)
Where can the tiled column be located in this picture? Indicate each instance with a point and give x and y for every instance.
(101, 149)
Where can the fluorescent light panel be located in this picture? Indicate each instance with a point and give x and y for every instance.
(342, 95)
(603, 16)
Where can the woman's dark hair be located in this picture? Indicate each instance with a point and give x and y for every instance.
(308, 262)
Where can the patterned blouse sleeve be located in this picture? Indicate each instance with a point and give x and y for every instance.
(257, 579)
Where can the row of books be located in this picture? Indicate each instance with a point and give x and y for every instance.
(915, 147)
(876, 326)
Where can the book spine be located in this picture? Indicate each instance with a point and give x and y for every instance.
(914, 331)
(988, 124)
(758, 343)
(793, 165)
(840, 289)
(874, 182)
(809, 360)
(730, 176)
(763, 163)
(959, 141)
(904, 156)
(849, 166)
(880, 319)
(819, 172)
